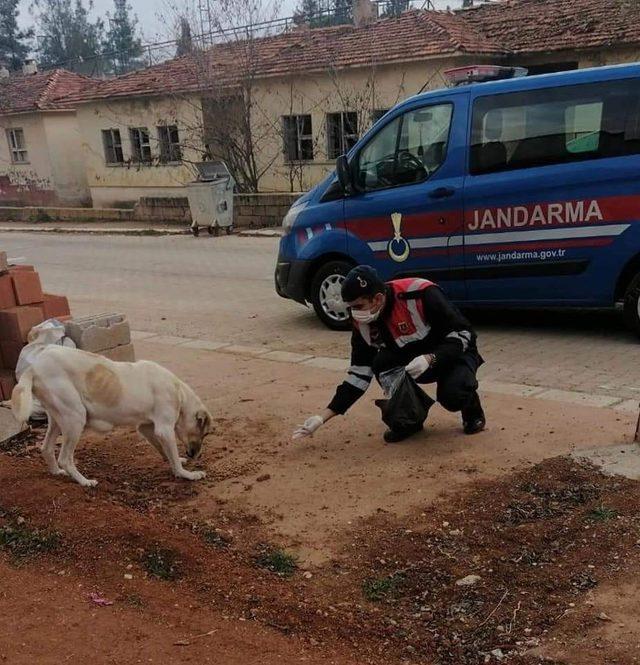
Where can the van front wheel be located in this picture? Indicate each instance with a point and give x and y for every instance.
(632, 305)
(325, 295)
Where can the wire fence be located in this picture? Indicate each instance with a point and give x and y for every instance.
(115, 63)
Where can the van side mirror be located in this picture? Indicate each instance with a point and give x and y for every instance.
(343, 171)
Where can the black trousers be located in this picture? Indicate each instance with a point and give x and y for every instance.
(456, 382)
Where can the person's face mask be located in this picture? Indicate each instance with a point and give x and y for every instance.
(368, 311)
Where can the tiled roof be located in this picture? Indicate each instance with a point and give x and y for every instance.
(415, 35)
(43, 91)
(528, 26)
(493, 29)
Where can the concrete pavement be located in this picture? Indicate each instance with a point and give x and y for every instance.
(220, 290)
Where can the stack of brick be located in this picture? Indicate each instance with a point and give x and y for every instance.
(23, 305)
(106, 334)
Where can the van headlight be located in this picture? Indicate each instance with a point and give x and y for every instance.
(290, 219)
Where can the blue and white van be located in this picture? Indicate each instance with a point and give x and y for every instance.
(518, 192)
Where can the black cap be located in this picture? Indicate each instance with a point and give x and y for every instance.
(361, 281)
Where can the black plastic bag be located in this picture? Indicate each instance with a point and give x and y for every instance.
(407, 405)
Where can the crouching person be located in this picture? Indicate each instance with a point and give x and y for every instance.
(406, 323)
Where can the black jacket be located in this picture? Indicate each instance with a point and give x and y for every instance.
(450, 337)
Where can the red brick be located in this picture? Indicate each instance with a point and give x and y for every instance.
(54, 307)
(27, 287)
(7, 383)
(7, 296)
(10, 352)
(21, 268)
(15, 323)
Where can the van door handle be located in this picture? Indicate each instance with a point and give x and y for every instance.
(442, 193)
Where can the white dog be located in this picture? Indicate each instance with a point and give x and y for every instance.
(80, 389)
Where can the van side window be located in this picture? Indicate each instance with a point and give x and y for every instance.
(554, 126)
(407, 150)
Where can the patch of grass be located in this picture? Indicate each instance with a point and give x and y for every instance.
(278, 561)
(602, 514)
(381, 588)
(22, 542)
(134, 600)
(214, 537)
(162, 563)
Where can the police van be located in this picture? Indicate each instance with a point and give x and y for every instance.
(507, 190)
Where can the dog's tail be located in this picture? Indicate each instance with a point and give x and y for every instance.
(22, 397)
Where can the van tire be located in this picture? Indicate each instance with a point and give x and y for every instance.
(632, 304)
(327, 279)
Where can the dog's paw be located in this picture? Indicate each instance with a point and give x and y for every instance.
(59, 472)
(88, 483)
(184, 460)
(194, 475)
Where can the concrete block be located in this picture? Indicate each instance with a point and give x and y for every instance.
(7, 296)
(333, 364)
(97, 333)
(205, 345)
(16, 322)
(123, 353)
(27, 287)
(7, 383)
(286, 356)
(242, 350)
(54, 306)
(10, 352)
(628, 406)
(583, 399)
(4, 264)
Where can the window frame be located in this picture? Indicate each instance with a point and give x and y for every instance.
(343, 146)
(356, 159)
(15, 149)
(170, 152)
(111, 132)
(572, 92)
(297, 139)
(138, 146)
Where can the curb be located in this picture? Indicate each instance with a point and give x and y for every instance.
(96, 232)
(547, 393)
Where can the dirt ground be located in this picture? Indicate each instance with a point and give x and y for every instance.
(382, 534)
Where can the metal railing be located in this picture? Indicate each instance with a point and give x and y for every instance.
(114, 63)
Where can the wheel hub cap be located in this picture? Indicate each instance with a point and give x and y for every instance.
(331, 300)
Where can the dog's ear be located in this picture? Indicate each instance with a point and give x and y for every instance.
(203, 420)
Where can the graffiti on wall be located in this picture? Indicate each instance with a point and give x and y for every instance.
(25, 188)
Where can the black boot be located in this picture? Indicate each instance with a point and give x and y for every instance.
(473, 418)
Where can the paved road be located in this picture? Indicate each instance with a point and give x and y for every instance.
(222, 289)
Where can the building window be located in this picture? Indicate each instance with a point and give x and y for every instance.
(140, 144)
(342, 133)
(169, 141)
(17, 146)
(298, 138)
(377, 114)
(112, 146)
(555, 126)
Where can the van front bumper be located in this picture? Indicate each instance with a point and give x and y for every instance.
(292, 278)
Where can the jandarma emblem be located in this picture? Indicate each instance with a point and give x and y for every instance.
(398, 247)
